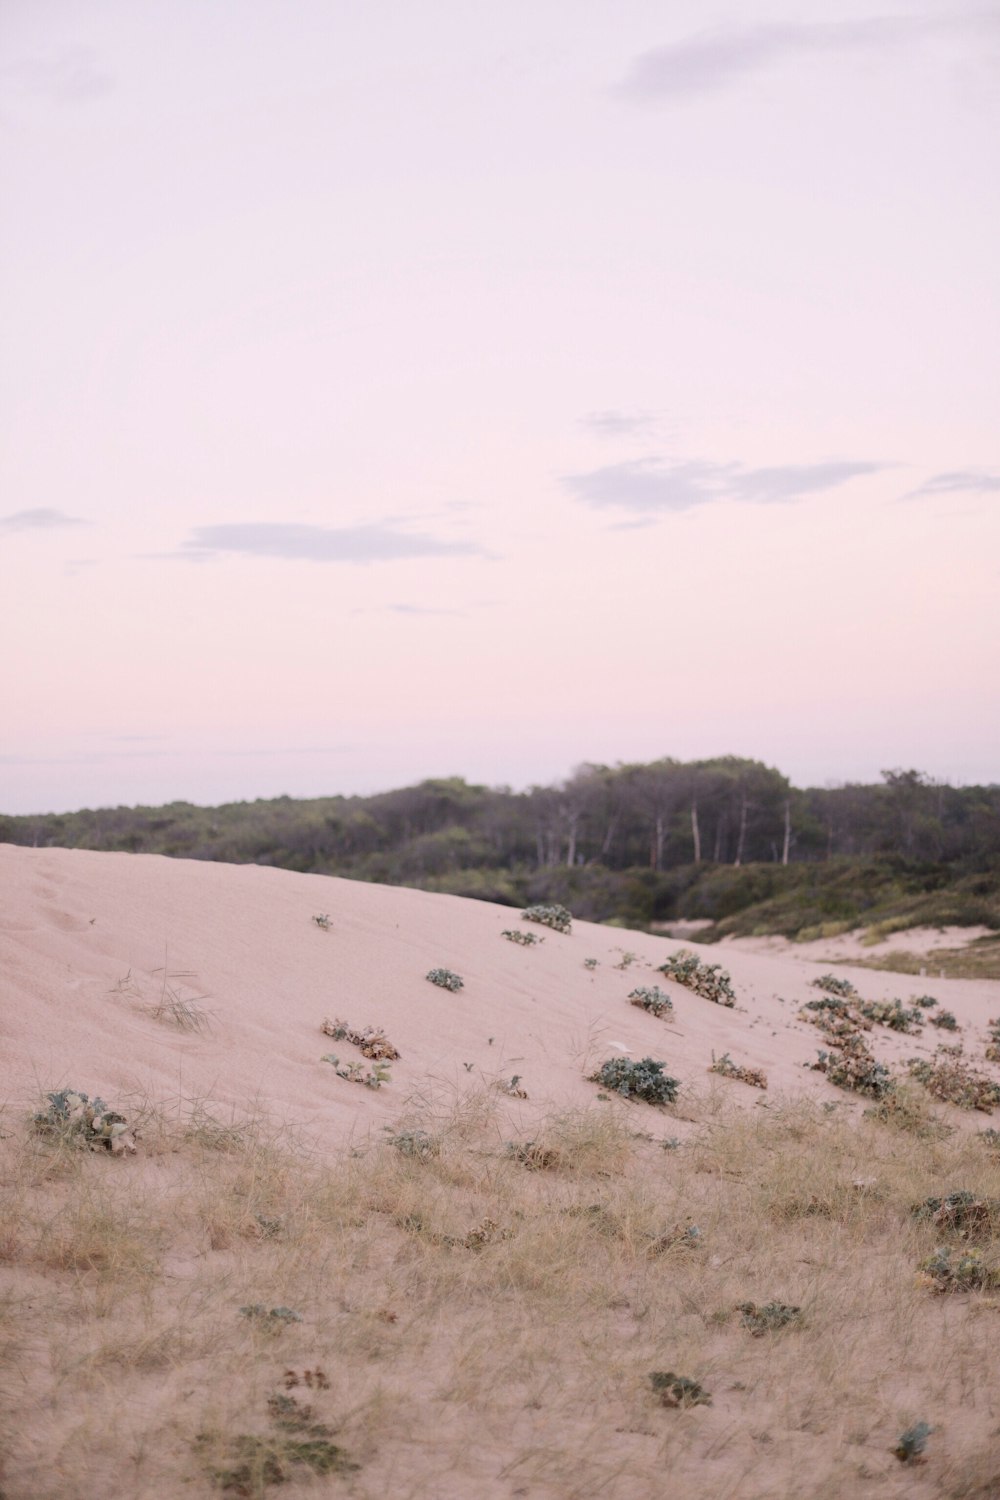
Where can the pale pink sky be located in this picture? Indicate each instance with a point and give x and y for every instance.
(423, 389)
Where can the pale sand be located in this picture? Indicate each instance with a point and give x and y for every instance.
(84, 939)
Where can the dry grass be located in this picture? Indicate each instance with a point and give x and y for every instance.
(488, 1329)
(979, 959)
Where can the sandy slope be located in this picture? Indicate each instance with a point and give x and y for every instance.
(85, 937)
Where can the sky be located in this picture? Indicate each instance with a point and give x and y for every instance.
(434, 388)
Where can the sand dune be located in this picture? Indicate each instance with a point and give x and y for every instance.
(92, 941)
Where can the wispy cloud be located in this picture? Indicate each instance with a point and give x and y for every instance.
(711, 59)
(38, 520)
(382, 541)
(613, 424)
(650, 485)
(958, 482)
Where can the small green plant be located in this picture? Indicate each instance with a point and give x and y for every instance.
(678, 1390)
(991, 1140)
(969, 1215)
(725, 1066)
(952, 1271)
(590, 963)
(653, 999)
(993, 1045)
(944, 1019)
(416, 1143)
(769, 1318)
(524, 939)
(951, 1079)
(252, 1464)
(834, 986)
(354, 1072)
(536, 1157)
(627, 959)
(73, 1117)
(643, 1080)
(891, 1013)
(445, 979)
(711, 981)
(912, 1442)
(323, 921)
(556, 917)
(926, 1002)
(512, 1086)
(372, 1041)
(853, 1066)
(276, 1317)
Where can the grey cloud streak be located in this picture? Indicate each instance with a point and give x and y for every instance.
(712, 59)
(958, 482)
(377, 542)
(617, 423)
(38, 520)
(649, 485)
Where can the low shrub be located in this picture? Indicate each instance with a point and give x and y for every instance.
(678, 1390)
(446, 979)
(525, 939)
(725, 1066)
(950, 1078)
(912, 1443)
(944, 1019)
(653, 999)
(835, 986)
(73, 1117)
(711, 981)
(645, 1080)
(354, 1072)
(769, 1318)
(965, 1271)
(970, 1215)
(556, 917)
(372, 1041)
(853, 1066)
(891, 1013)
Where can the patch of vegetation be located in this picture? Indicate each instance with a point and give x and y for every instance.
(711, 981)
(912, 1442)
(641, 1080)
(926, 1002)
(557, 917)
(418, 1143)
(944, 1019)
(969, 1215)
(768, 1318)
(256, 1312)
(950, 1078)
(355, 1072)
(590, 963)
(993, 1045)
(678, 1390)
(853, 1066)
(833, 985)
(653, 999)
(446, 979)
(905, 1108)
(517, 935)
(323, 921)
(725, 1066)
(991, 1139)
(891, 1013)
(73, 1117)
(953, 1271)
(372, 1041)
(252, 1464)
(534, 1155)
